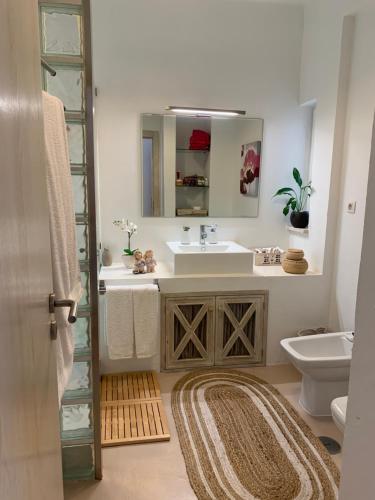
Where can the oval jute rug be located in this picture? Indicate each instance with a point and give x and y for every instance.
(241, 439)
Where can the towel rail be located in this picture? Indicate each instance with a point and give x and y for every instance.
(103, 288)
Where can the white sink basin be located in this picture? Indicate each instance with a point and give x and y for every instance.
(224, 257)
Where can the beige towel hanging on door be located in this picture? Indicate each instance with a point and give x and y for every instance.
(65, 265)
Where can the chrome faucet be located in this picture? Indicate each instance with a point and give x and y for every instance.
(202, 234)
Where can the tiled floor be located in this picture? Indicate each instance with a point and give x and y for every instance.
(157, 471)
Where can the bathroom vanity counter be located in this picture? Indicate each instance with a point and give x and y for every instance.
(278, 271)
(116, 273)
(289, 294)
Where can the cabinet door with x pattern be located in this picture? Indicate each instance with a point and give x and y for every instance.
(239, 327)
(189, 332)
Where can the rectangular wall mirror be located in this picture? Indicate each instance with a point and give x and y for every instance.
(200, 166)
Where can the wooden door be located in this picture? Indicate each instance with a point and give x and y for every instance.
(240, 330)
(30, 453)
(189, 329)
(154, 169)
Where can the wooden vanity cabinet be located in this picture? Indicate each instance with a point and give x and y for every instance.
(239, 330)
(188, 331)
(213, 329)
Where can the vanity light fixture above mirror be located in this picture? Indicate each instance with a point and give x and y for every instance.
(205, 111)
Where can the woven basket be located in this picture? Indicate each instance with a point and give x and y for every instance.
(295, 266)
(295, 254)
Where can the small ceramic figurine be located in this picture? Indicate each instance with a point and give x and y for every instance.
(139, 263)
(149, 261)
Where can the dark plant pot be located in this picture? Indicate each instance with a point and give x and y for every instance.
(299, 219)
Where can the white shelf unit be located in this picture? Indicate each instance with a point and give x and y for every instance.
(191, 162)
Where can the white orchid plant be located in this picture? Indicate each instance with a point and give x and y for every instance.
(131, 229)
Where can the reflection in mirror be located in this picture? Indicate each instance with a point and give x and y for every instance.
(152, 167)
(200, 166)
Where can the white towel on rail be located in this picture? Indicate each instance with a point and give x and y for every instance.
(119, 322)
(146, 320)
(65, 265)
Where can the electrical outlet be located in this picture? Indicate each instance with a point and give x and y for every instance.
(352, 205)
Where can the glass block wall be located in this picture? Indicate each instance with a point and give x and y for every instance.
(65, 45)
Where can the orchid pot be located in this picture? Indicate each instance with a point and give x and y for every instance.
(130, 228)
(128, 261)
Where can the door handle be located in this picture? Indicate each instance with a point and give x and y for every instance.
(72, 304)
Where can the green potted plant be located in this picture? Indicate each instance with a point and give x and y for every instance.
(296, 202)
(130, 228)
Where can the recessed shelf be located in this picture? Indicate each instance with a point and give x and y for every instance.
(187, 186)
(193, 215)
(189, 212)
(298, 230)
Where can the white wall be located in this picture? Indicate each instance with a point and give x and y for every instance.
(345, 102)
(361, 105)
(325, 23)
(358, 479)
(238, 55)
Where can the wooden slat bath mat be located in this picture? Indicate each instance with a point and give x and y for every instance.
(131, 409)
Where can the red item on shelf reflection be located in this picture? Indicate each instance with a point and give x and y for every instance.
(200, 140)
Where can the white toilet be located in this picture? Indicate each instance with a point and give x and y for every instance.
(324, 361)
(338, 409)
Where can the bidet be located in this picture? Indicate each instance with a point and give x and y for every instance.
(324, 361)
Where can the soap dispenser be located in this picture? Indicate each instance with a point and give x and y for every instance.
(185, 235)
(212, 234)
(106, 257)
